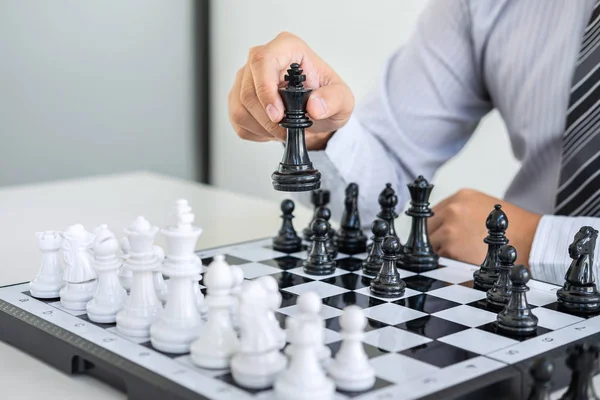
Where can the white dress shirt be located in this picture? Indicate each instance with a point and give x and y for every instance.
(464, 59)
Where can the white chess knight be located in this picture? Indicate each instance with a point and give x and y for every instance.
(79, 274)
(110, 296)
(258, 360)
(304, 378)
(49, 278)
(181, 320)
(350, 369)
(217, 341)
(143, 306)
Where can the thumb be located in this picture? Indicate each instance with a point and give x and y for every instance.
(334, 101)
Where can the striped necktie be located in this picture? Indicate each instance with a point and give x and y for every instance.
(579, 185)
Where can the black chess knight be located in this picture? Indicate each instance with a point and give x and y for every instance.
(287, 241)
(487, 274)
(579, 293)
(318, 198)
(417, 254)
(295, 172)
(582, 360)
(350, 238)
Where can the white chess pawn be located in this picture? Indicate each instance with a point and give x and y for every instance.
(217, 341)
(274, 301)
(143, 306)
(79, 274)
(258, 361)
(125, 273)
(309, 305)
(304, 379)
(49, 279)
(110, 296)
(159, 280)
(350, 369)
(238, 280)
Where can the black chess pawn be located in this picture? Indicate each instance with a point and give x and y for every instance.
(296, 172)
(487, 274)
(372, 264)
(388, 283)
(318, 198)
(499, 294)
(325, 214)
(417, 253)
(387, 203)
(350, 238)
(581, 360)
(541, 373)
(287, 241)
(579, 293)
(516, 319)
(319, 261)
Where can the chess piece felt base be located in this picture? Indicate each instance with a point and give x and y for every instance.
(580, 299)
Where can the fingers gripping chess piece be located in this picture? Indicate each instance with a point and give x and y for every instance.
(487, 274)
(258, 360)
(349, 238)
(110, 296)
(350, 369)
(541, 372)
(499, 294)
(582, 359)
(319, 260)
(388, 283)
(372, 264)
(49, 278)
(79, 274)
(217, 341)
(319, 198)
(143, 306)
(295, 172)
(579, 293)
(516, 318)
(287, 241)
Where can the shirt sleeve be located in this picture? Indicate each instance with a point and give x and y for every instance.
(549, 257)
(428, 102)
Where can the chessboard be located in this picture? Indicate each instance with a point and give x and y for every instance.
(435, 341)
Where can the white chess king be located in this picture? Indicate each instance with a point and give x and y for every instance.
(48, 281)
(79, 274)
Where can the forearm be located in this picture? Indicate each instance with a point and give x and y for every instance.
(549, 257)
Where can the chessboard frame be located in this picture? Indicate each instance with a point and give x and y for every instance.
(75, 355)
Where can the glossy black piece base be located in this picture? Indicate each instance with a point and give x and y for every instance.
(484, 280)
(582, 300)
(417, 262)
(287, 245)
(381, 289)
(289, 179)
(355, 244)
(317, 267)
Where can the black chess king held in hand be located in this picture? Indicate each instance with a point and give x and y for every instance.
(296, 172)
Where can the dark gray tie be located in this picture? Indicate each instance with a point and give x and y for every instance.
(579, 185)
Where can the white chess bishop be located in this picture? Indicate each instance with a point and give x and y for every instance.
(110, 296)
(143, 306)
(49, 279)
(181, 320)
(79, 274)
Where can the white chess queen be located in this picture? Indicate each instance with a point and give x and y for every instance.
(79, 274)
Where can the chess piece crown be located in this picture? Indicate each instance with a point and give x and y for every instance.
(140, 235)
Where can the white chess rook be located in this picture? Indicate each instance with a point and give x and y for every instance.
(217, 341)
(110, 296)
(79, 274)
(350, 369)
(181, 321)
(143, 306)
(49, 279)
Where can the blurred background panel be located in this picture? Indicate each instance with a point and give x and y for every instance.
(98, 87)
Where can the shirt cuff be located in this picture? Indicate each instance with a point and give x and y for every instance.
(549, 257)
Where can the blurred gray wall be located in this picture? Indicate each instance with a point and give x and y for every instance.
(95, 87)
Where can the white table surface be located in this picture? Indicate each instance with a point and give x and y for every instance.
(113, 200)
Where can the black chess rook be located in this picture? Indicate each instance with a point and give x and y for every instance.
(388, 283)
(580, 293)
(287, 240)
(296, 172)
(350, 238)
(517, 319)
(417, 254)
(318, 198)
(487, 274)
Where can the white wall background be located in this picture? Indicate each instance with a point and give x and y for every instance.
(354, 37)
(95, 87)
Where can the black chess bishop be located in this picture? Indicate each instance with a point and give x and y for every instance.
(517, 319)
(318, 198)
(541, 374)
(350, 238)
(319, 260)
(388, 282)
(287, 240)
(499, 294)
(324, 213)
(487, 274)
(582, 360)
(372, 264)
(417, 254)
(296, 172)
(579, 293)
(387, 203)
